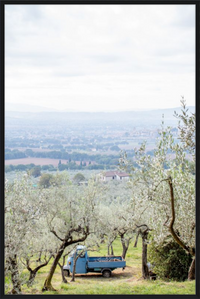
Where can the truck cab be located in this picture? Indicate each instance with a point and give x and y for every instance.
(80, 263)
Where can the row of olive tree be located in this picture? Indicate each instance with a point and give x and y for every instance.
(164, 185)
(44, 224)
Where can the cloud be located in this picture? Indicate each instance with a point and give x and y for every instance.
(67, 52)
(105, 58)
(185, 17)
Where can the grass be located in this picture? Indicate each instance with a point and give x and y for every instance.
(121, 282)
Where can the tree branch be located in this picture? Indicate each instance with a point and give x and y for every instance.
(171, 228)
(54, 232)
(165, 223)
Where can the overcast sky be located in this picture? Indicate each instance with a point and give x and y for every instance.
(100, 57)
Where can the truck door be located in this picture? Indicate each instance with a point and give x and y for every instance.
(81, 264)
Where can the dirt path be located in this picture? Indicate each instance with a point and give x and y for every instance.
(129, 274)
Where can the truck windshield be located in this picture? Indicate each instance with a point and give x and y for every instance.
(71, 253)
(82, 254)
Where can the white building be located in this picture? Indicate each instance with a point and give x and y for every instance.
(114, 175)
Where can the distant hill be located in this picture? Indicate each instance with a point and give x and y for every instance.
(150, 118)
(26, 108)
(34, 109)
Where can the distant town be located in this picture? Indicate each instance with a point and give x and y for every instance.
(80, 141)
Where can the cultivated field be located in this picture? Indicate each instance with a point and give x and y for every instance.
(40, 161)
(36, 161)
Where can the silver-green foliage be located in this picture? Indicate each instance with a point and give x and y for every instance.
(151, 189)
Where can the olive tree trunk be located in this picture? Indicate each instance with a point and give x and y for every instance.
(125, 245)
(32, 276)
(145, 270)
(33, 272)
(136, 239)
(74, 265)
(191, 272)
(110, 248)
(74, 268)
(65, 243)
(15, 275)
(47, 284)
(64, 280)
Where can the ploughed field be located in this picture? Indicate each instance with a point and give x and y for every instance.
(36, 161)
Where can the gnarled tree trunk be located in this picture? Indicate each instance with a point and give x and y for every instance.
(144, 234)
(15, 275)
(64, 280)
(136, 239)
(31, 277)
(76, 256)
(112, 250)
(33, 272)
(145, 270)
(74, 268)
(125, 245)
(47, 284)
(191, 273)
(65, 242)
(110, 247)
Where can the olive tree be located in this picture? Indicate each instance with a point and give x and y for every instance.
(40, 248)
(187, 128)
(106, 227)
(116, 221)
(78, 178)
(71, 218)
(23, 209)
(140, 211)
(124, 223)
(167, 190)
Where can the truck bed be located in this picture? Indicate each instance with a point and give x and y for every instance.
(106, 262)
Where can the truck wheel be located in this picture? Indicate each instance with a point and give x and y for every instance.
(106, 273)
(66, 273)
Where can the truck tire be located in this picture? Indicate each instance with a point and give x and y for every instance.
(106, 273)
(66, 272)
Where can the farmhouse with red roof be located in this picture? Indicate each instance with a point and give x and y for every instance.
(114, 175)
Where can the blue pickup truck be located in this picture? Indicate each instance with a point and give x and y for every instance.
(85, 264)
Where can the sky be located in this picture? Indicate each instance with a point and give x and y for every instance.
(100, 57)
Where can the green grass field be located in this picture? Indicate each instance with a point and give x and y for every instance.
(128, 281)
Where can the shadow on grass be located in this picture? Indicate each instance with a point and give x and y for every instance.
(99, 277)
